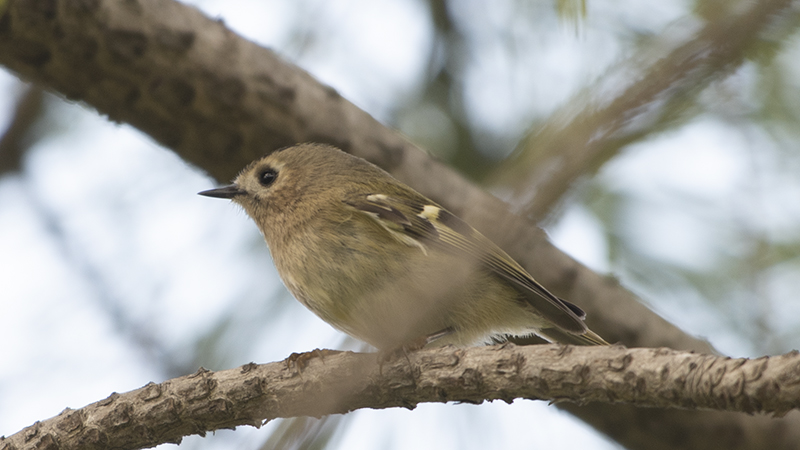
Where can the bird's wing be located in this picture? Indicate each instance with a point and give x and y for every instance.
(421, 224)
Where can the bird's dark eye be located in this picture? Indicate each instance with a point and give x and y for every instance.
(267, 176)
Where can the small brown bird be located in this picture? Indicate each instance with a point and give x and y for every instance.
(386, 265)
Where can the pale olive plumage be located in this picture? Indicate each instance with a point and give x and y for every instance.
(385, 264)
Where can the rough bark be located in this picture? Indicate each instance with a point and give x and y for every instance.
(325, 382)
(220, 101)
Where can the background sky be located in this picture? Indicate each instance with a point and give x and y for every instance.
(114, 273)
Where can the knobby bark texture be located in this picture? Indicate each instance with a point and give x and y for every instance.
(220, 101)
(326, 382)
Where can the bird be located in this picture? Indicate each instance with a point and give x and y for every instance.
(386, 265)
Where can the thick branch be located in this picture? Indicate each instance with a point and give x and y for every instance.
(325, 382)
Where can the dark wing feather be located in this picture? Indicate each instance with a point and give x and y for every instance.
(432, 225)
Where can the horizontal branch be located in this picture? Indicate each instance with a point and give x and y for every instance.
(326, 382)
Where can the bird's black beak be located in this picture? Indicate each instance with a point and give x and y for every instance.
(223, 192)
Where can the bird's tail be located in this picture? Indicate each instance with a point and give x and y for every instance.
(587, 338)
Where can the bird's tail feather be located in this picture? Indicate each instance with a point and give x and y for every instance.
(587, 338)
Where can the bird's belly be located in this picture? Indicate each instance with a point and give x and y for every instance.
(395, 304)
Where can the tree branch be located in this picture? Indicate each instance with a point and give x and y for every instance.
(326, 382)
(633, 101)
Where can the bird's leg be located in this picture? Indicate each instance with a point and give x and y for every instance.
(412, 346)
(438, 335)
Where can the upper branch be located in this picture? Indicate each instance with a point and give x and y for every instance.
(633, 101)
